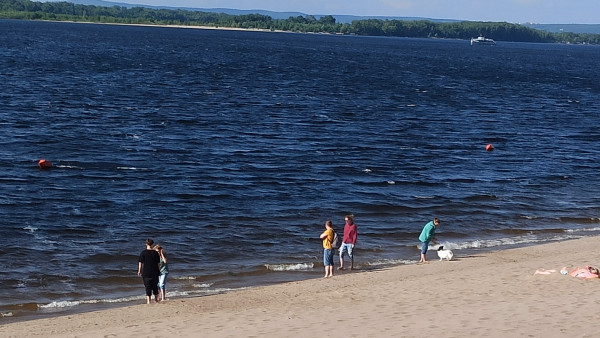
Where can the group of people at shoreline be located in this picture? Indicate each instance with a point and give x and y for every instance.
(152, 262)
(426, 236)
(347, 246)
(349, 241)
(152, 267)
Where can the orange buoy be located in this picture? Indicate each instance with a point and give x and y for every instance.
(44, 164)
(489, 147)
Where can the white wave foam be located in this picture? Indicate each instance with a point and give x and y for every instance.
(71, 303)
(203, 285)
(30, 228)
(63, 304)
(202, 289)
(184, 277)
(506, 241)
(583, 230)
(290, 267)
(499, 242)
(68, 166)
(173, 294)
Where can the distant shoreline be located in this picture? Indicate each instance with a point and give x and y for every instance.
(177, 26)
(326, 24)
(436, 30)
(225, 28)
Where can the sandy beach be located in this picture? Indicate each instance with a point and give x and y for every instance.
(178, 26)
(494, 294)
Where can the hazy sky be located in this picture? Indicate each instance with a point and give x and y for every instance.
(515, 11)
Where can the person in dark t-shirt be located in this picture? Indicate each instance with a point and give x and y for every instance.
(149, 270)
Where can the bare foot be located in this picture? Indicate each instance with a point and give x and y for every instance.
(342, 268)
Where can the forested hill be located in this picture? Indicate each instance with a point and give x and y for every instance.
(555, 28)
(68, 11)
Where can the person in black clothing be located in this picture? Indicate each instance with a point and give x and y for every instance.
(149, 269)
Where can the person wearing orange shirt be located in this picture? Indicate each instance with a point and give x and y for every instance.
(327, 237)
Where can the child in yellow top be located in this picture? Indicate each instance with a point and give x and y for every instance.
(327, 237)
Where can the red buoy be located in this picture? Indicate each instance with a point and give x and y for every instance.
(489, 147)
(44, 164)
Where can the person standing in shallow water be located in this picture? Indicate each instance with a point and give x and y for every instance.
(350, 235)
(164, 271)
(327, 237)
(427, 235)
(149, 270)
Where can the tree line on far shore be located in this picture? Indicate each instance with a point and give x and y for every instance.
(501, 31)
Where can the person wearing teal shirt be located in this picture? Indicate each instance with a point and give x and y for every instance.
(164, 271)
(427, 234)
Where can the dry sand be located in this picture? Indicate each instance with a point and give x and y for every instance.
(484, 295)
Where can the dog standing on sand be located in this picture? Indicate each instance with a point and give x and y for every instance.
(444, 254)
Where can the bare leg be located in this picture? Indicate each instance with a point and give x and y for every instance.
(352, 263)
(423, 259)
(148, 299)
(341, 263)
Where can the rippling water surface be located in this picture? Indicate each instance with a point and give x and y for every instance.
(231, 149)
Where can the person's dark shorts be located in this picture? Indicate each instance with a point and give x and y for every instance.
(151, 285)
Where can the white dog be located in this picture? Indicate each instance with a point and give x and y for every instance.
(444, 254)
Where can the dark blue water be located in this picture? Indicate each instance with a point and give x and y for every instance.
(232, 148)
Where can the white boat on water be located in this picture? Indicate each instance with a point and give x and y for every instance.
(482, 41)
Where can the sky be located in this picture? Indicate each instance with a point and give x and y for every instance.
(513, 11)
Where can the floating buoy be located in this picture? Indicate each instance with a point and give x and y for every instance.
(489, 147)
(44, 164)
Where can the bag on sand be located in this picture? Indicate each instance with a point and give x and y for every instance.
(337, 241)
